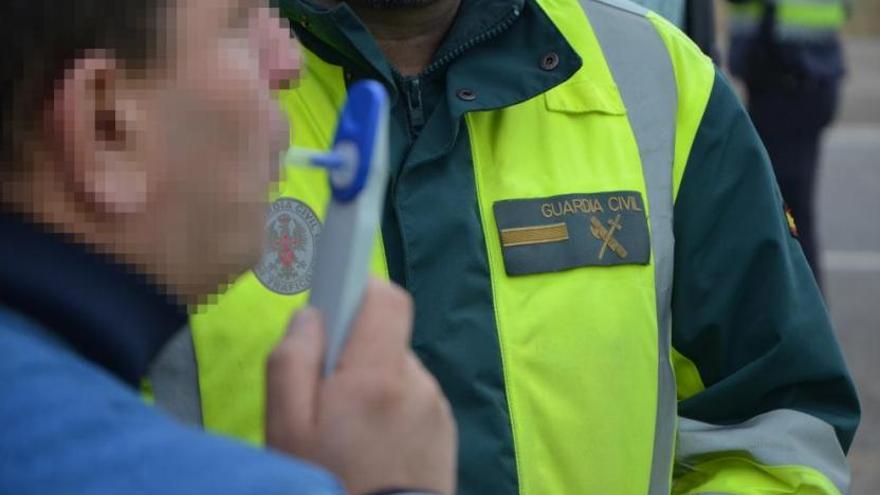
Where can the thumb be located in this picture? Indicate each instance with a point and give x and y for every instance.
(293, 376)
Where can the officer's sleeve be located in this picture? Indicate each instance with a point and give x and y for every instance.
(766, 404)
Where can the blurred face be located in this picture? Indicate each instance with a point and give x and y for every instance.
(210, 134)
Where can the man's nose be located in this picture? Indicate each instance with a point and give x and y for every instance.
(280, 56)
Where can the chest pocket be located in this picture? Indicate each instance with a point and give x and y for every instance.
(584, 96)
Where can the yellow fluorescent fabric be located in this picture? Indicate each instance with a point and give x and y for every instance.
(687, 376)
(580, 375)
(695, 76)
(147, 391)
(233, 339)
(581, 379)
(740, 475)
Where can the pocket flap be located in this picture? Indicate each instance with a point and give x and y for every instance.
(584, 96)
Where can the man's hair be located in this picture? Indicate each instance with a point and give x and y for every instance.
(41, 38)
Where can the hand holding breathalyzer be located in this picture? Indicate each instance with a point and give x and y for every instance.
(343, 388)
(379, 421)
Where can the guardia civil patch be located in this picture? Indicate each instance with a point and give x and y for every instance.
(564, 232)
(292, 231)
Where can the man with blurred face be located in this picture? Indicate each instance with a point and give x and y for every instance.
(139, 140)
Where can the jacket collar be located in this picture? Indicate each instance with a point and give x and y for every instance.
(102, 309)
(486, 50)
(338, 35)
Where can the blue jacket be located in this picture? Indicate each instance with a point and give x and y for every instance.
(76, 335)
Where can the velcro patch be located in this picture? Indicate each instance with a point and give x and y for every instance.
(564, 232)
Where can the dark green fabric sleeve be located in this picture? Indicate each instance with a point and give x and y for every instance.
(746, 308)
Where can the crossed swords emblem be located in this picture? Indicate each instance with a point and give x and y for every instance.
(606, 235)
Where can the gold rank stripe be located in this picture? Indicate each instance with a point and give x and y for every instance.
(541, 234)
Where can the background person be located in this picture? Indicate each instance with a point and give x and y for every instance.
(789, 56)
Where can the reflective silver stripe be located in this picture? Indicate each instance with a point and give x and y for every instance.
(672, 10)
(747, 20)
(776, 438)
(641, 67)
(787, 32)
(175, 379)
(745, 27)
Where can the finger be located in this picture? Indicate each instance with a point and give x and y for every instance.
(293, 378)
(382, 329)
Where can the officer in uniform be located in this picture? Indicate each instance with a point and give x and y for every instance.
(606, 286)
(788, 54)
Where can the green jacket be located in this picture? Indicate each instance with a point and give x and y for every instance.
(549, 354)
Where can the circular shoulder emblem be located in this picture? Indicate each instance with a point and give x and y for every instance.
(292, 231)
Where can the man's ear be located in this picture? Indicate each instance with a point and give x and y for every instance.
(93, 127)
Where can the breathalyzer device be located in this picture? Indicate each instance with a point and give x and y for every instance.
(358, 172)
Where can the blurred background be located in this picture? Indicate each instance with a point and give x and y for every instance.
(848, 215)
(849, 227)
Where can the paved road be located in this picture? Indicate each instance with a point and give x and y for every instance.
(849, 213)
(849, 216)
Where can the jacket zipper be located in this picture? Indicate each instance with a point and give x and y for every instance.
(416, 111)
(413, 88)
(483, 37)
(414, 105)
